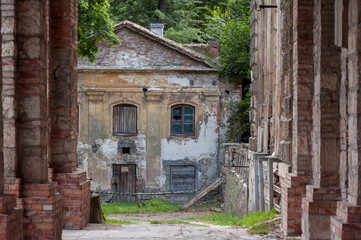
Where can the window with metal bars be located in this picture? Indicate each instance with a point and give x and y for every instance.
(124, 119)
(182, 120)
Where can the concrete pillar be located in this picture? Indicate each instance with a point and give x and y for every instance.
(320, 201)
(153, 144)
(347, 223)
(63, 109)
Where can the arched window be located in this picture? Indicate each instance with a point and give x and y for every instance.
(182, 119)
(124, 119)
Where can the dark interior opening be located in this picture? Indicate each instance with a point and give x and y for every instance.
(125, 150)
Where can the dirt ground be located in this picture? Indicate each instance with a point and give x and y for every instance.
(142, 228)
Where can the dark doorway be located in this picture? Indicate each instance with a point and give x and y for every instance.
(124, 182)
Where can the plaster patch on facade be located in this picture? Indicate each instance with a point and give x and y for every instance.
(140, 82)
(202, 147)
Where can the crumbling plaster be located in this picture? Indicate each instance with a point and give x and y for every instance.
(153, 77)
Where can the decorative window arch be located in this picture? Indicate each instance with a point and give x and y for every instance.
(182, 119)
(124, 119)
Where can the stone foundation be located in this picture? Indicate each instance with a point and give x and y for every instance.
(11, 219)
(318, 206)
(347, 223)
(293, 190)
(42, 211)
(76, 197)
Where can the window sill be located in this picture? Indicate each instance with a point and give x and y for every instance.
(186, 136)
(125, 134)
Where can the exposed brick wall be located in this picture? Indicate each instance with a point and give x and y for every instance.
(9, 55)
(42, 211)
(234, 195)
(76, 198)
(11, 219)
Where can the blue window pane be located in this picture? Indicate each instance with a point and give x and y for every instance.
(188, 119)
(188, 127)
(188, 110)
(177, 127)
(177, 111)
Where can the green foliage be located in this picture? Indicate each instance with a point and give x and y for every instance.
(168, 222)
(225, 219)
(153, 205)
(235, 38)
(262, 228)
(142, 12)
(239, 125)
(94, 25)
(185, 20)
(117, 221)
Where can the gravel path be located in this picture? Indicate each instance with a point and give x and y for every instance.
(143, 229)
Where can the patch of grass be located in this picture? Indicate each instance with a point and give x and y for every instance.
(259, 229)
(262, 228)
(168, 222)
(117, 221)
(153, 205)
(204, 205)
(225, 219)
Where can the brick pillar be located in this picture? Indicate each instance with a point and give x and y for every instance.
(9, 55)
(294, 186)
(63, 106)
(10, 217)
(347, 223)
(41, 200)
(321, 197)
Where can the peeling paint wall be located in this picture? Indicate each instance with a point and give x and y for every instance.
(153, 91)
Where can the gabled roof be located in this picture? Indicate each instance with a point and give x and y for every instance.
(162, 40)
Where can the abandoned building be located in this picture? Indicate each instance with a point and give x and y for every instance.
(306, 112)
(152, 116)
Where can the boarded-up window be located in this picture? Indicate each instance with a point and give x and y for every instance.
(124, 119)
(183, 178)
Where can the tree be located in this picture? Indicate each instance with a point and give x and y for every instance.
(235, 39)
(94, 25)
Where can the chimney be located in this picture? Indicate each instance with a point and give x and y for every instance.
(157, 28)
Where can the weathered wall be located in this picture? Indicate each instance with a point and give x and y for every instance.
(313, 124)
(153, 74)
(235, 195)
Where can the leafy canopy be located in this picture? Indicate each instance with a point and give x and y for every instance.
(94, 25)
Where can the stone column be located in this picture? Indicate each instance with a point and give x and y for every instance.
(321, 197)
(9, 55)
(40, 198)
(294, 186)
(11, 219)
(63, 108)
(347, 223)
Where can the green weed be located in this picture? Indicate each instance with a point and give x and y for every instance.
(153, 205)
(168, 222)
(225, 219)
(117, 221)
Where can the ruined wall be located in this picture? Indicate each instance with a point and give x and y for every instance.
(235, 195)
(153, 75)
(98, 149)
(313, 124)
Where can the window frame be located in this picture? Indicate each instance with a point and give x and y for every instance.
(136, 120)
(171, 120)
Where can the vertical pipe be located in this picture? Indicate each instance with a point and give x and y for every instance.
(261, 183)
(270, 183)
